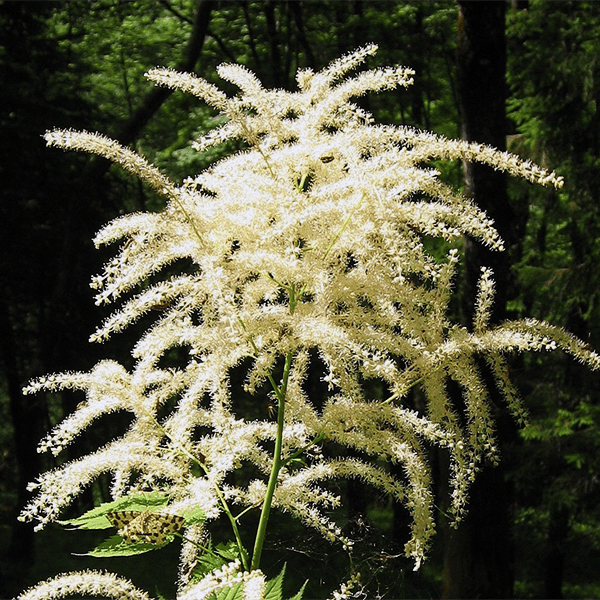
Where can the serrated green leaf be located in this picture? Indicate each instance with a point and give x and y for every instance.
(152, 501)
(228, 551)
(88, 521)
(235, 592)
(116, 546)
(96, 518)
(206, 563)
(300, 593)
(273, 587)
(215, 557)
(195, 515)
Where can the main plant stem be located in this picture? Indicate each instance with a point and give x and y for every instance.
(261, 532)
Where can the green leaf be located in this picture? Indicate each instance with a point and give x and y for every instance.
(228, 551)
(195, 515)
(215, 558)
(274, 588)
(96, 518)
(300, 593)
(235, 592)
(117, 546)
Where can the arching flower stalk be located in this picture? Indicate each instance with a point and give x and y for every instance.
(308, 243)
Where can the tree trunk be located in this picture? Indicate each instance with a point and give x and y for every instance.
(482, 94)
(478, 559)
(558, 529)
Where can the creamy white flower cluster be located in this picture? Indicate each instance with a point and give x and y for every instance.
(86, 583)
(108, 585)
(225, 577)
(308, 245)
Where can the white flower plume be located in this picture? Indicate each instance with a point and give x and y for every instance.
(309, 242)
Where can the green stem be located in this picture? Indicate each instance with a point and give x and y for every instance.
(275, 469)
(236, 531)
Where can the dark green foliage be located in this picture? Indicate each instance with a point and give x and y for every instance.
(554, 75)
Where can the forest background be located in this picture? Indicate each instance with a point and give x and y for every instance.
(534, 526)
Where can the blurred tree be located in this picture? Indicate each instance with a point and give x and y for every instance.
(477, 558)
(40, 309)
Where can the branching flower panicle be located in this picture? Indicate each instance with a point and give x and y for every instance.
(308, 244)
